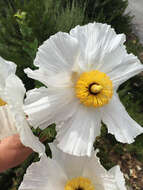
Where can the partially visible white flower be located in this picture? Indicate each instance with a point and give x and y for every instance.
(12, 116)
(67, 172)
(135, 9)
(83, 71)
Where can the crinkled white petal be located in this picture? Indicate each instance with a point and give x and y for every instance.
(46, 174)
(7, 124)
(77, 134)
(60, 80)
(58, 53)
(39, 74)
(102, 49)
(98, 42)
(35, 95)
(129, 67)
(72, 165)
(29, 139)
(118, 122)
(103, 179)
(119, 178)
(14, 94)
(58, 105)
(6, 68)
(94, 170)
(14, 91)
(13, 122)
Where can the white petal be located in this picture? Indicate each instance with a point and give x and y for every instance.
(103, 179)
(102, 49)
(7, 125)
(29, 139)
(14, 91)
(13, 122)
(72, 165)
(95, 172)
(119, 178)
(60, 80)
(129, 67)
(44, 175)
(6, 68)
(39, 74)
(97, 41)
(118, 122)
(58, 53)
(35, 95)
(113, 54)
(78, 133)
(58, 105)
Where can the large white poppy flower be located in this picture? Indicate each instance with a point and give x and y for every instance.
(12, 116)
(83, 70)
(67, 172)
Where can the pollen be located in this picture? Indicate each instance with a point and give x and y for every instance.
(79, 183)
(2, 103)
(94, 88)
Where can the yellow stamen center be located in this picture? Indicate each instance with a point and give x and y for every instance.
(2, 103)
(94, 88)
(79, 183)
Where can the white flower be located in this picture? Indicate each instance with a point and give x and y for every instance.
(12, 116)
(82, 71)
(135, 9)
(67, 172)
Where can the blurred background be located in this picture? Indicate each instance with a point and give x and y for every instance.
(25, 24)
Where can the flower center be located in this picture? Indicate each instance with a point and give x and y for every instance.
(94, 88)
(79, 183)
(2, 103)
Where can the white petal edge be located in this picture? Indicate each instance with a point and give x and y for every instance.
(77, 135)
(58, 105)
(72, 165)
(58, 53)
(14, 91)
(129, 67)
(43, 175)
(103, 179)
(7, 125)
(14, 95)
(119, 178)
(29, 139)
(35, 95)
(97, 41)
(61, 80)
(118, 122)
(39, 74)
(102, 49)
(6, 68)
